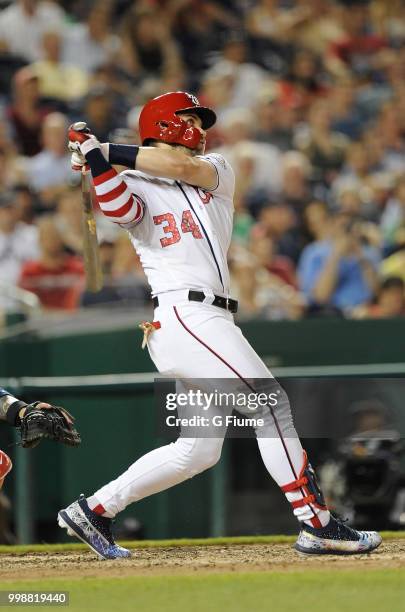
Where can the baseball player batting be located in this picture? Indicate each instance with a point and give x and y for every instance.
(176, 203)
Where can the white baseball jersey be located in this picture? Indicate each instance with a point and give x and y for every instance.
(184, 236)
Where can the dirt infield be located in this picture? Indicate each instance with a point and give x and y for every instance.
(191, 559)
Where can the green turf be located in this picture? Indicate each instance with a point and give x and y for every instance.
(316, 591)
(72, 546)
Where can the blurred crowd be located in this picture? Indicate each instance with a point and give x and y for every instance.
(309, 96)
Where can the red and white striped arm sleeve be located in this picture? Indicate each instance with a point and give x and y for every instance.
(116, 200)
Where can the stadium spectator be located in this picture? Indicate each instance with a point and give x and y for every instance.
(99, 112)
(246, 78)
(126, 263)
(216, 88)
(393, 216)
(259, 156)
(243, 220)
(277, 221)
(309, 95)
(23, 23)
(26, 112)
(339, 271)
(358, 50)
(239, 145)
(127, 273)
(49, 171)
(348, 199)
(316, 220)
(92, 41)
(68, 219)
(302, 84)
(322, 27)
(356, 171)
(265, 282)
(199, 28)
(324, 148)
(55, 277)
(389, 302)
(394, 265)
(112, 76)
(273, 28)
(345, 115)
(26, 203)
(148, 46)
(109, 294)
(59, 81)
(274, 124)
(124, 280)
(18, 243)
(268, 20)
(391, 130)
(296, 173)
(12, 167)
(382, 185)
(389, 18)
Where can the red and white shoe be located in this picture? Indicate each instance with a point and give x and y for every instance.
(5, 466)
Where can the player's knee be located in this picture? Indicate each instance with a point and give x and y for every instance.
(209, 456)
(201, 456)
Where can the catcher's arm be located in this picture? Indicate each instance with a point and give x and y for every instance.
(7, 400)
(38, 420)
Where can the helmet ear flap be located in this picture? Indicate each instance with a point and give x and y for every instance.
(169, 131)
(178, 132)
(162, 127)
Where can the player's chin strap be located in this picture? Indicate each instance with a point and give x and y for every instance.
(307, 487)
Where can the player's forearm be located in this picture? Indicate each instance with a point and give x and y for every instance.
(176, 165)
(6, 400)
(166, 163)
(115, 199)
(154, 161)
(162, 163)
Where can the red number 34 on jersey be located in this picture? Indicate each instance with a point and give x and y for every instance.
(171, 230)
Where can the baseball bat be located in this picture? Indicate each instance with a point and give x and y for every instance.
(91, 253)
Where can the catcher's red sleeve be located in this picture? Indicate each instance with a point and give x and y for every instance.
(113, 195)
(5, 465)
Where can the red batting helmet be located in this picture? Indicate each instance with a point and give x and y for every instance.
(160, 120)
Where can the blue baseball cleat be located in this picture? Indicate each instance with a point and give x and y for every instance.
(336, 539)
(93, 529)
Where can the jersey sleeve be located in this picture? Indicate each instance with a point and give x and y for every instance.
(117, 200)
(225, 185)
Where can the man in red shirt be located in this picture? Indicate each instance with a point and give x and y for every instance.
(56, 277)
(26, 112)
(357, 51)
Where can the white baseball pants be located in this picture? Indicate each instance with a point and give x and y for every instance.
(197, 340)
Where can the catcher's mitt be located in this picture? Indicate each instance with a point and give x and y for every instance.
(54, 423)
